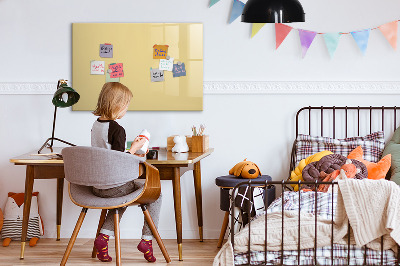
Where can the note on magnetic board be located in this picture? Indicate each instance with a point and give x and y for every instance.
(160, 51)
(179, 70)
(110, 79)
(106, 50)
(156, 75)
(166, 64)
(117, 70)
(97, 67)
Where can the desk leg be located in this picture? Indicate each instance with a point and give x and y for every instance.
(176, 182)
(60, 190)
(27, 206)
(199, 204)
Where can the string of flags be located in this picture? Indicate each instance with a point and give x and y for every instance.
(361, 37)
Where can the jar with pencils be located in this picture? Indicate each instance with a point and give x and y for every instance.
(200, 141)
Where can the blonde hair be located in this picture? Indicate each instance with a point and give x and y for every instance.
(114, 96)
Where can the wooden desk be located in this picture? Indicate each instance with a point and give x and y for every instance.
(171, 167)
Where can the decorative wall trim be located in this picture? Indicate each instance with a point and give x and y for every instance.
(248, 87)
(302, 87)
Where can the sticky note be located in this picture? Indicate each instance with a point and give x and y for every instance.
(160, 51)
(109, 79)
(106, 50)
(179, 70)
(156, 75)
(97, 67)
(166, 64)
(117, 70)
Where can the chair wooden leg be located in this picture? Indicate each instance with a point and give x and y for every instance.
(73, 237)
(117, 239)
(101, 222)
(154, 230)
(223, 229)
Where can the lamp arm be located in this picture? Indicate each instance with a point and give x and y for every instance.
(54, 126)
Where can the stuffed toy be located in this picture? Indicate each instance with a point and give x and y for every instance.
(296, 174)
(348, 170)
(13, 215)
(180, 144)
(328, 164)
(375, 170)
(245, 169)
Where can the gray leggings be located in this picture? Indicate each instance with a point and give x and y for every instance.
(154, 208)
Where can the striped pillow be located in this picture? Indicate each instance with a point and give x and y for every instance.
(372, 145)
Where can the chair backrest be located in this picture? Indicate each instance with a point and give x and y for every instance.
(92, 166)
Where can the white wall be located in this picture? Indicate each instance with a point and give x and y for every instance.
(35, 41)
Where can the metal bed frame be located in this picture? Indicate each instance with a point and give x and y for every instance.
(283, 184)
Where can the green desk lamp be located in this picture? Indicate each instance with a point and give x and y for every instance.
(64, 97)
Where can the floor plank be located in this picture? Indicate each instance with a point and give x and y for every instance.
(50, 252)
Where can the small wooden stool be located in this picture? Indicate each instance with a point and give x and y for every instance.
(226, 183)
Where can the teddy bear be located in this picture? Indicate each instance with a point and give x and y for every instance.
(13, 215)
(180, 144)
(245, 169)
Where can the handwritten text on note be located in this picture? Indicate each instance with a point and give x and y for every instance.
(156, 75)
(160, 51)
(106, 50)
(97, 67)
(179, 70)
(117, 70)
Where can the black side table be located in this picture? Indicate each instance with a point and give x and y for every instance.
(226, 183)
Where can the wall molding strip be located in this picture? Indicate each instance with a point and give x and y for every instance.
(246, 87)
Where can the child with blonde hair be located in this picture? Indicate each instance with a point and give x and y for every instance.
(106, 133)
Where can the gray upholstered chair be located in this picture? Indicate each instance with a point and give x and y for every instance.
(85, 167)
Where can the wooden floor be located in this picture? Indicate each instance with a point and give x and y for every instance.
(50, 252)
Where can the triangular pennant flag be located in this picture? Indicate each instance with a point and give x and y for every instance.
(332, 41)
(281, 31)
(213, 2)
(237, 9)
(361, 37)
(306, 39)
(390, 32)
(255, 28)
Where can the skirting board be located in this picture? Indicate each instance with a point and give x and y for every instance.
(247, 87)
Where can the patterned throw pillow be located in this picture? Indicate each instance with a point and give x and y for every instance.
(372, 145)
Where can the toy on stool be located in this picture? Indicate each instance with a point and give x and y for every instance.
(245, 169)
(13, 215)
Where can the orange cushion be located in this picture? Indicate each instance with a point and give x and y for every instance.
(375, 170)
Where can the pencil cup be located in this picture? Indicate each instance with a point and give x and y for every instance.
(200, 143)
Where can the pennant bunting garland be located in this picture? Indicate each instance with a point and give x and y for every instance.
(361, 37)
(306, 39)
(389, 30)
(256, 27)
(237, 9)
(281, 31)
(332, 41)
(213, 2)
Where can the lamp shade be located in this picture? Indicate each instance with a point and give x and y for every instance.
(65, 96)
(273, 11)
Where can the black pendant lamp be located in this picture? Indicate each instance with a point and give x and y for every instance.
(273, 11)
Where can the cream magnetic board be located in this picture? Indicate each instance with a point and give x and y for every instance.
(161, 63)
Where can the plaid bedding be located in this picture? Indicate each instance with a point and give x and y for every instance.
(323, 207)
(372, 145)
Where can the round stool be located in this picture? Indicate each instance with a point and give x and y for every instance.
(228, 182)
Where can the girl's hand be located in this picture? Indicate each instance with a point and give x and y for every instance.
(137, 144)
(142, 155)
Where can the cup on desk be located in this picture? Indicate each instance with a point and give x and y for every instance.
(152, 155)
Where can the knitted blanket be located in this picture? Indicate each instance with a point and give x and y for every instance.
(371, 207)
